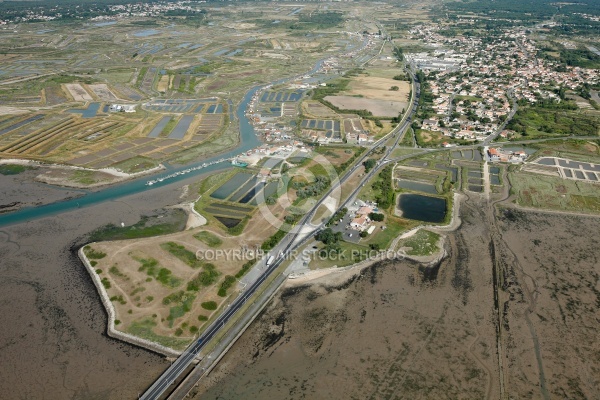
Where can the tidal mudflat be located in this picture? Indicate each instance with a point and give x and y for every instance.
(53, 340)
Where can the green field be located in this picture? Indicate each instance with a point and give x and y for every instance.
(422, 243)
(11, 169)
(538, 122)
(540, 191)
(208, 238)
(172, 221)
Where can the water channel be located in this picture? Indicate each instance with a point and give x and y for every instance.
(248, 140)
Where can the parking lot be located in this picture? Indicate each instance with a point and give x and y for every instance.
(350, 235)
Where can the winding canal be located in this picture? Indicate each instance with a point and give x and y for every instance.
(248, 140)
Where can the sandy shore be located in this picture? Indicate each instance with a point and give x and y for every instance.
(195, 219)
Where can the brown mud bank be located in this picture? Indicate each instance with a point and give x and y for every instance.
(549, 268)
(513, 310)
(23, 190)
(53, 342)
(395, 329)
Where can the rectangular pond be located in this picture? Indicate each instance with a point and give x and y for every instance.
(298, 158)
(231, 207)
(146, 33)
(229, 222)
(21, 123)
(182, 127)
(226, 189)
(422, 208)
(158, 128)
(546, 161)
(105, 23)
(456, 154)
(215, 109)
(272, 163)
(268, 191)
(295, 96)
(89, 112)
(224, 212)
(253, 192)
(417, 186)
(237, 196)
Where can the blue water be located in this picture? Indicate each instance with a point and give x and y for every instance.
(422, 208)
(221, 52)
(158, 128)
(248, 140)
(215, 109)
(417, 186)
(295, 96)
(231, 108)
(89, 112)
(253, 192)
(226, 189)
(241, 192)
(107, 23)
(182, 127)
(146, 33)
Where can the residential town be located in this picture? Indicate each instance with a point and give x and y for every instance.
(475, 82)
(100, 12)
